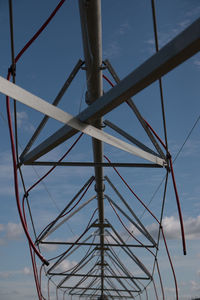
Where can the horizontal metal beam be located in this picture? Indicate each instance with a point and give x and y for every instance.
(97, 296)
(97, 244)
(99, 276)
(182, 47)
(96, 289)
(91, 164)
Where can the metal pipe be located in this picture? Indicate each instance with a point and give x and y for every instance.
(90, 15)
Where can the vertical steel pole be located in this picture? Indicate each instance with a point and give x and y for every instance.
(90, 14)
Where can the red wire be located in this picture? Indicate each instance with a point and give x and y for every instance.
(28, 44)
(133, 191)
(162, 143)
(66, 212)
(175, 190)
(129, 230)
(177, 200)
(160, 278)
(11, 131)
(179, 207)
(64, 253)
(48, 289)
(35, 271)
(79, 199)
(56, 294)
(155, 289)
(46, 174)
(40, 280)
(16, 184)
(108, 80)
(170, 260)
(146, 293)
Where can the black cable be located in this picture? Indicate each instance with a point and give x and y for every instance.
(187, 137)
(160, 80)
(177, 155)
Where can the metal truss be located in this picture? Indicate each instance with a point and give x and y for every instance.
(101, 273)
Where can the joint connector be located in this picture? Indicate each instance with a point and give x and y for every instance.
(168, 155)
(102, 190)
(26, 195)
(12, 69)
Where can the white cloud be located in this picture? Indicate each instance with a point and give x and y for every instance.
(65, 265)
(23, 121)
(48, 247)
(193, 12)
(2, 242)
(14, 231)
(166, 36)
(112, 50)
(27, 271)
(195, 286)
(12, 273)
(10, 231)
(123, 28)
(197, 62)
(171, 226)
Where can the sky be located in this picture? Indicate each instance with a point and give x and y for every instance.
(127, 34)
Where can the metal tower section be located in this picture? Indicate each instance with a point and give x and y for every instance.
(90, 14)
(105, 272)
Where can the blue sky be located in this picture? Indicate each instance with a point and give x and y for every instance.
(127, 42)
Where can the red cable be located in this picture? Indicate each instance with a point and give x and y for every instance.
(146, 293)
(108, 80)
(28, 44)
(175, 190)
(173, 177)
(172, 267)
(155, 289)
(160, 278)
(48, 289)
(35, 272)
(162, 143)
(129, 230)
(45, 175)
(16, 185)
(179, 207)
(12, 136)
(132, 191)
(64, 253)
(79, 199)
(40, 281)
(177, 199)
(65, 213)
(56, 294)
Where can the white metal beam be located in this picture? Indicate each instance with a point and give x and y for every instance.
(23, 96)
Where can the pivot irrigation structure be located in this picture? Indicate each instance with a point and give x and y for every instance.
(107, 259)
